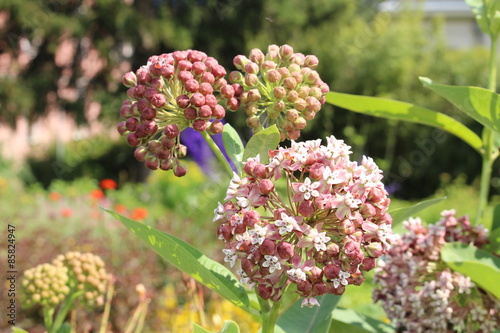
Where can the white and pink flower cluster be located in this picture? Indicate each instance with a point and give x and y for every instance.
(420, 294)
(171, 92)
(327, 226)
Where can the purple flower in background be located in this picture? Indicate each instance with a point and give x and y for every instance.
(199, 150)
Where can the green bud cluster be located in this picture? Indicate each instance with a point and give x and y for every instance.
(86, 273)
(280, 87)
(45, 284)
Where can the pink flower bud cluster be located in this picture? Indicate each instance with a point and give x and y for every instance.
(420, 294)
(281, 87)
(321, 235)
(172, 92)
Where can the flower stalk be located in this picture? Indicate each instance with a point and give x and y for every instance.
(490, 151)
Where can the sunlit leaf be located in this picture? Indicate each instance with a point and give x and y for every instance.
(189, 260)
(18, 330)
(350, 321)
(481, 104)
(401, 214)
(233, 146)
(482, 267)
(261, 143)
(308, 320)
(391, 109)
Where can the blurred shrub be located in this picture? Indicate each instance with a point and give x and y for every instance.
(76, 53)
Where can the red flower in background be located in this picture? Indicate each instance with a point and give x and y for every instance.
(97, 194)
(139, 213)
(54, 196)
(120, 209)
(66, 212)
(108, 184)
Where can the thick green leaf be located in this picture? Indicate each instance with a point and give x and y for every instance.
(391, 109)
(481, 104)
(496, 219)
(487, 14)
(349, 321)
(479, 11)
(494, 238)
(308, 320)
(229, 327)
(401, 214)
(261, 143)
(18, 330)
(233, 146)
(482, 267)
(189, 260)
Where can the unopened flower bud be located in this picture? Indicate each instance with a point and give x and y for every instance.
(266, 186)
(133, 140)
(253, 95)
(257, 56)
(180, 170)
(216, 127)
(240, 61)
(285, 250)
(233, 104)
(331, 271)
(279, 92)
(200, 125)
(264, 291)
(197, 99)
(140, 154)
(285, 51)
(129, 79)
(122, 128)
(267, 247)
(251, 80)
(273, 76)
(218, 112)
(181, 151)
(235, 77)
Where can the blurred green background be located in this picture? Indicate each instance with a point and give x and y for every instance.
(66, 57)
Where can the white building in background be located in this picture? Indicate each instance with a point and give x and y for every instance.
(460, 27)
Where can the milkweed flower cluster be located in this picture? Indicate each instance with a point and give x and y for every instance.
(45, 284)
(281, 87)
(420, 294)
(50, 284)
(171, 92)
(321, 235)
(86, 273)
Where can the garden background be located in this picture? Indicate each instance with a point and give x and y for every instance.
(61, 64)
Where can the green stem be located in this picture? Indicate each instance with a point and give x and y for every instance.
(48, 314)
(269, 312)
(63, 311)
(107, 307)
(492, 67)
(490, 152)
(218, 153)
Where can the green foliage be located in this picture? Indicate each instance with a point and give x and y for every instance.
(349, 321)
(189, 260)
(482, 267)
(308, 320)
(481, 104)
(391, 109)
(233, 146)
(487, 15)
(402, 214)
(260, 144)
